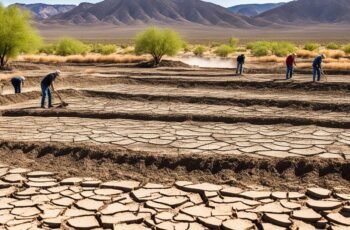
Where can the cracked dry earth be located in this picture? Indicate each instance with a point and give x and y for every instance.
(40, 200)
(142, 121)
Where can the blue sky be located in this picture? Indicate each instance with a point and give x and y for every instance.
(220, 2)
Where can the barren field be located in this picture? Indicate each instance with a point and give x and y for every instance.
(203, 34)
(175, 148)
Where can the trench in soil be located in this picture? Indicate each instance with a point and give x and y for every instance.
(107, 163)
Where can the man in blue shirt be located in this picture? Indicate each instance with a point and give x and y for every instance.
(17, 83)
(46, 84)
(317, 67)
(240, 64)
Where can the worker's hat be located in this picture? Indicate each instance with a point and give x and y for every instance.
(323, 56)
(58, 72)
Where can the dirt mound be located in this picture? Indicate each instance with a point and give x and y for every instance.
(107, 162)
(164, 63)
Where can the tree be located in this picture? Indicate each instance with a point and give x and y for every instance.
(16, 34)
(158, 42)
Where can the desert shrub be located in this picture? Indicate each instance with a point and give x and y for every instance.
(260, 48)
(199, 50)
(346, 49)
(260, 51)
(224, 50)
(311, 46)
(104, 49)
(71, 46)
(333, 46)
(264, 48)
(158, 42)
(186, 48)
(47, 49)
(281, 49)
(124, 46)
(16, 34)
(214, 44)
(233, 42)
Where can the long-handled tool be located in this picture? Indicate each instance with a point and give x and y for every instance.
(324, 76)
(63, 103)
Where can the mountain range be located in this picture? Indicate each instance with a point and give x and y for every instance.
(43, 11)
(303, 12)
(252, 10)
(131, 12)
(194, 12)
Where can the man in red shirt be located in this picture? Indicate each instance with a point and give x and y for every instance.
(290, 62)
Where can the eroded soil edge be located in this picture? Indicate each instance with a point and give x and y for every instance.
(110, 163)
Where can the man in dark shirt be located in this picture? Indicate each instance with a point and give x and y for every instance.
(290, 62)
(317, 67)
(240, 63)
(17, 83)
(46, 84)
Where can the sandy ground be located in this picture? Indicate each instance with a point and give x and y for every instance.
(111, 33)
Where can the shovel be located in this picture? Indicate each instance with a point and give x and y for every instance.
(63, 103)
(324, 76)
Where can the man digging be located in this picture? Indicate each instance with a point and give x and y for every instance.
(317, 67)
(46, 84)
(18, 83)
(290, 63)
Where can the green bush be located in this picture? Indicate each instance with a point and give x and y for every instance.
(158, 42)
(260, 51)
(333, 46)
(104, 49)
(199, 50)
(48, 49)
(186, 48)
(71, 46)
(233, 42)
(311, 46)
(224, 50)
(347, 48)
(264, 48)
(282, 49)
(260, 48)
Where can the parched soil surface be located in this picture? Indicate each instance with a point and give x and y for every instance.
(251, 135)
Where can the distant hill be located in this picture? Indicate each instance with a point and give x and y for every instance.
(303, 12)
(252, 10)
(43, 11)
(127, 12)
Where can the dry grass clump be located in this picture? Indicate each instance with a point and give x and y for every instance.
(336, 54)
(306, 53)
(342, 66)
(8, 75)
(91, 58)
(337, 66)
(267, 59)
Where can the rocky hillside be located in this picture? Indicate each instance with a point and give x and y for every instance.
(302, 12)
(126, 12)
(43, 11)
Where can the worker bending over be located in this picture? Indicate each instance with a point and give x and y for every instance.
(17, 83)
(46, 84)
